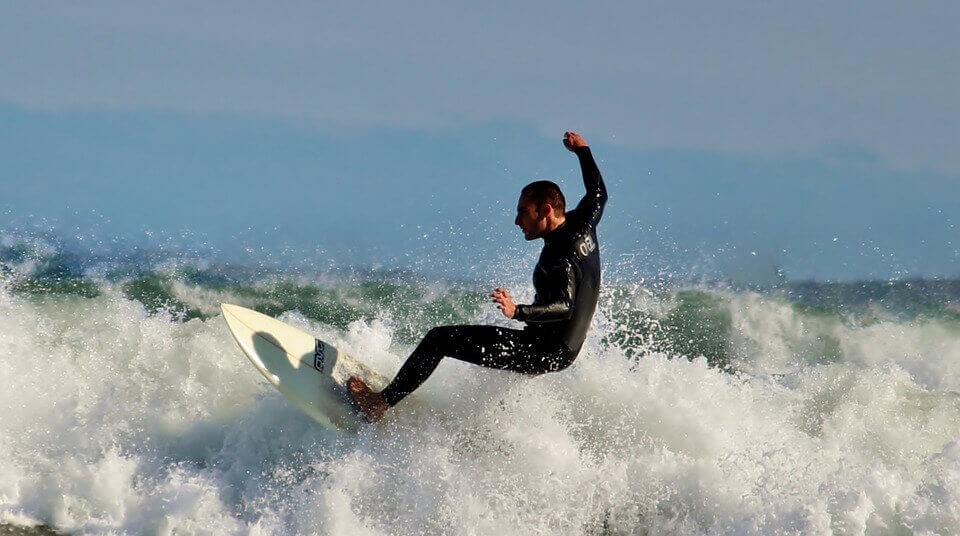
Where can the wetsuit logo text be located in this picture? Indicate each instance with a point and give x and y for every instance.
(586, 246)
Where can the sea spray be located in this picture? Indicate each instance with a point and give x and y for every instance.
(691, 410)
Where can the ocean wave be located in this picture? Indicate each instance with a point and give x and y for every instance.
(692, 409)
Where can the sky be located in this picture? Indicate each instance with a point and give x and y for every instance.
(818, 137)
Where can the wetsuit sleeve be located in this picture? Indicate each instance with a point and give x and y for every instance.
(591, 206)
(560, 307)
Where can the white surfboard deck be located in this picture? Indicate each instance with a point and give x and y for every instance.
(308, 371)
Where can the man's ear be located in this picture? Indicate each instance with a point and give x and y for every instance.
(545, 210)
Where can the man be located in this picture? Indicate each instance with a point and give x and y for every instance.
(566, 280)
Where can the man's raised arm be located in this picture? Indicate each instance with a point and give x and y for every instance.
(591, 206)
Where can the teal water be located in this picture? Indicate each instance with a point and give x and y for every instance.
(804, 408)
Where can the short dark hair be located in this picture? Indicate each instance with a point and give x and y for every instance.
(541, 192)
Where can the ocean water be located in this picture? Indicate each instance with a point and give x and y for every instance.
(807, 408)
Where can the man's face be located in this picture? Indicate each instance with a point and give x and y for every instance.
(531, 219)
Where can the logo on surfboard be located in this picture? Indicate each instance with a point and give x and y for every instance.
(318, 355)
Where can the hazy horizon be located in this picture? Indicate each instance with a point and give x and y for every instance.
(734, 141)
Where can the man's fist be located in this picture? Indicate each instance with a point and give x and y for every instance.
(572, 141)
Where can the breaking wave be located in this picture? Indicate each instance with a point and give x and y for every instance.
(693, 409)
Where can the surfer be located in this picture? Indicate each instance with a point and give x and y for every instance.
(566, 280)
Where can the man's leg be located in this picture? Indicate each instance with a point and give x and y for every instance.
(488, 346)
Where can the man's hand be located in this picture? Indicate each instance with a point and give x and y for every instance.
(504, 302)
(573, 141)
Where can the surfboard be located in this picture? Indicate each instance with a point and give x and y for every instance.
(310, 372)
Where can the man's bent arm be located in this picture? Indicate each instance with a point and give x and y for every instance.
(558, 309)
(591, 206)
(546, 312)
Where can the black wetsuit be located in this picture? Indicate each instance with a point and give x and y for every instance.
(567, 284)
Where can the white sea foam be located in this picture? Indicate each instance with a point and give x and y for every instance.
(114, 421)
(769, 336)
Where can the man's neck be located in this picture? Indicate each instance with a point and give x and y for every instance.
(555, 223)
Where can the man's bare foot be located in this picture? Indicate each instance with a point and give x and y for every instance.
(370, 403)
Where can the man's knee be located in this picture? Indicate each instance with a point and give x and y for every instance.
(562, 362)
(439, 339)
(437, 334)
